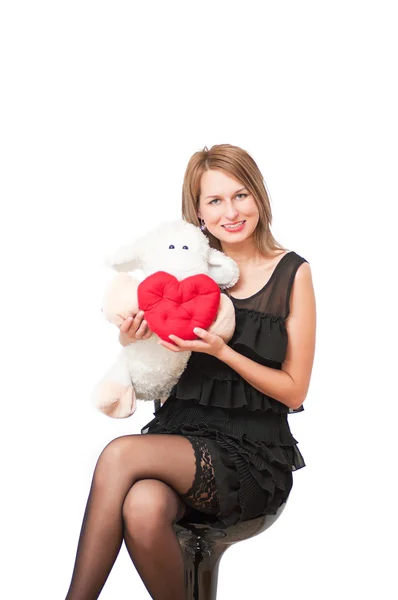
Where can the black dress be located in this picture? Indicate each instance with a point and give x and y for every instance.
(245, 452)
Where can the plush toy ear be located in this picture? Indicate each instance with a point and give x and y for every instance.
(127, 258)
(222, 269)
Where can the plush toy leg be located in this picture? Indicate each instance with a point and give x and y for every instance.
(114, 395)
(116, 400)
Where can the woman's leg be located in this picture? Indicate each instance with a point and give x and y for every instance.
(125, 461)
(149, 511)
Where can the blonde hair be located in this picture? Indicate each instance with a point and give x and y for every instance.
(239, 164)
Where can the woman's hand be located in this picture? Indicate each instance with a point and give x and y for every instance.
(209, 343)
(134, 329)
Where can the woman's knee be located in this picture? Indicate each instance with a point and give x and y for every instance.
(149, 505)
(113, 458)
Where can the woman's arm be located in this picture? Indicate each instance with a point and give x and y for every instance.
(290, 385)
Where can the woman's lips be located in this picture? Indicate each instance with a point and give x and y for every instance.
(234, 228)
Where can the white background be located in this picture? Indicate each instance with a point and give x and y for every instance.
(102, 105)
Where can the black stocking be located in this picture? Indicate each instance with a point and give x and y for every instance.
(127, 460)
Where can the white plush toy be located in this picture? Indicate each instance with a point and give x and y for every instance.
(145, 370)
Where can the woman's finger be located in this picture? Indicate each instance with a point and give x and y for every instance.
(125, 326)
(181, 343)
(131, 324)
(137, 320)
(148, 333)
(172, 347)
(202, 333)
(141, 331)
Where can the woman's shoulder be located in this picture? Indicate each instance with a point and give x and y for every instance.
(274, 270)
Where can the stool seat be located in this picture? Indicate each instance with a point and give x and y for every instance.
(203, 546)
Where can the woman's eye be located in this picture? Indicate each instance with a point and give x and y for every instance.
(185, 248)
(171, 247)
(240, 196)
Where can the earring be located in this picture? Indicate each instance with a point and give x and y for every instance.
(203, 226)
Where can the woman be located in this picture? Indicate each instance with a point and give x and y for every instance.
(220, 449)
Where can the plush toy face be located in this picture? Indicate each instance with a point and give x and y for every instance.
(178, 248)
(174, 251)
(176, 307)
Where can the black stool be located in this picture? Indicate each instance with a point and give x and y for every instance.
(204, 545)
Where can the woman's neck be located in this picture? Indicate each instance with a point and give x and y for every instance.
(245, 254)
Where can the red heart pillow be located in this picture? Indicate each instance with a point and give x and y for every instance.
(176, 307)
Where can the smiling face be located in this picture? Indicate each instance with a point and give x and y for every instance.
(228, 209)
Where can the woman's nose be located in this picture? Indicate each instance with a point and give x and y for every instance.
(231, 211)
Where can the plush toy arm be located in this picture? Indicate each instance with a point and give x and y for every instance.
(114, 394)
(224, 324)
(120, 300)
(222, 268)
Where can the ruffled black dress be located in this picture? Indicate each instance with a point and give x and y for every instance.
(246, 433)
